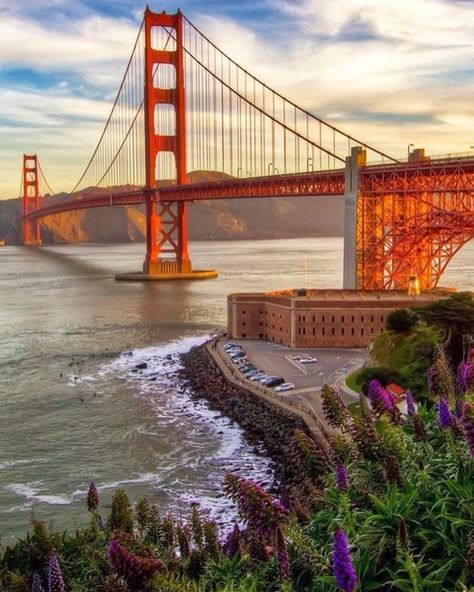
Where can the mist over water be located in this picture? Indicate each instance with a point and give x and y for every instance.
(73, 410)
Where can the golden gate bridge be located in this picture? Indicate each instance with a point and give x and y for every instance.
(185, 106)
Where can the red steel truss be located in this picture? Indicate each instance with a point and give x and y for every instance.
(411, 220)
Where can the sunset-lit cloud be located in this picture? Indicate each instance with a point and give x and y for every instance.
(389, 72)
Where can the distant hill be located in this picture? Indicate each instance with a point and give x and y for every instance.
(285, 217)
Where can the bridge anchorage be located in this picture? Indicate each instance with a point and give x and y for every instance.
(189, 124)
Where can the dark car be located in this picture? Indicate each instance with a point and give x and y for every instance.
(275, 381)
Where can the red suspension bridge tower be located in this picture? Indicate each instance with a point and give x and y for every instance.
(166, 223)
(31, 199)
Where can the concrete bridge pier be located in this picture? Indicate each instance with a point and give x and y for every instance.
(354, 162)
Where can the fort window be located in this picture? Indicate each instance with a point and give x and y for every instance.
(352, 318)
(324, 319)
(314, 319)
(362, 319)
(314, 331)
(244, 334)
(323, 331)
(333, 332)
(352, 331)
(342, 318)
(372, 319)
(333, 318)
(362, 330)
(342, 331)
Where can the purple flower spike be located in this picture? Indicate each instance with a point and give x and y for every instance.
(410, 403)
(231, 546)
(341, 477)
(464, 376)
(380, 399)
(36, 585)
(445, 419)
(467, 421)
(55, 578)
(346, 578)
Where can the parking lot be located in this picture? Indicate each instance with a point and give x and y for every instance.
(331, 365)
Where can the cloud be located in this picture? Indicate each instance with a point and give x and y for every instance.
(387, 74)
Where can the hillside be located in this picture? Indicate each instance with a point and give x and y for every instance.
(222, 219)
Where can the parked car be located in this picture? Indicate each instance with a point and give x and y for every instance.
(308, 360)
(259, 375)
(286, 386)
(230, 345)
(275, 381)
(248, 368)
(250, 373)
(270, 380)
(237, 355)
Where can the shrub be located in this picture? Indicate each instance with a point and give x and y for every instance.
(401, 320)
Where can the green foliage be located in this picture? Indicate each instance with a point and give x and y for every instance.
(405, 358)
(121, 515)
(401, 320)
(454, 316)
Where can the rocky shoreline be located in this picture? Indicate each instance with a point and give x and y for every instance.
(263, 423)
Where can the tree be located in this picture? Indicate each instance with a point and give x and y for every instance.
(401, 320)
(455, 316)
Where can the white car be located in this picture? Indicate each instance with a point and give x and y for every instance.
(308, 360)
(286, 386)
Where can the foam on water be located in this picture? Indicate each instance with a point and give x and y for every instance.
(171, 400)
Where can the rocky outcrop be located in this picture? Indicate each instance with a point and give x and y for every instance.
(261, 421)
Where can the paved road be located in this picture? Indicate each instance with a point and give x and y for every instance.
(331, 367)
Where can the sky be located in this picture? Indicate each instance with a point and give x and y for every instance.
(391, 72)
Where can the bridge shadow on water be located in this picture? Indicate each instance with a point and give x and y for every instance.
(70, 262)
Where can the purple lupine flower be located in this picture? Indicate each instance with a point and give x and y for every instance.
(467, 421)
(380, 399)
(36, 585)
(260, 510)
(55, 578)
(410, 403)
(134, 569)
(92, 497)
(231, 546)
(445, 419)
(464, 376)
(341, 477)
(343, 570)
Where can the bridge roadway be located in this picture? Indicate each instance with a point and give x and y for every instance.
(306, 184)
(443, 174)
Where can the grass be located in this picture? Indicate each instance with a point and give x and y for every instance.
(351, 382)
